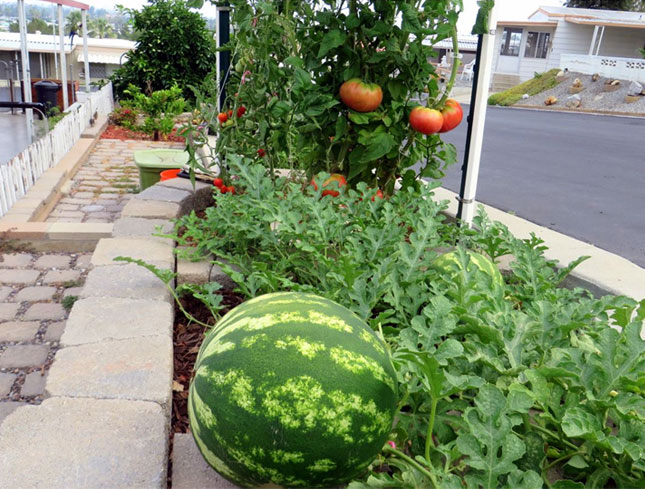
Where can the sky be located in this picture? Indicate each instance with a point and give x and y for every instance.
(506, 9)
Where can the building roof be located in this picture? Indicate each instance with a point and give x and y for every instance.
(609, 18)
(466, 43)
(103, 58)
(48, 43)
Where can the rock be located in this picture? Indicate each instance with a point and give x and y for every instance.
(577, 83)
(551, 100)
(598, 98)
(595, 77)
(574, 101)
(630, 99)
(525, 96)
(635, 89)
(615, 83)
(560, 74)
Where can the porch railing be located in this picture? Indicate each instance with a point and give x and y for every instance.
(632, 69)
(22, 171)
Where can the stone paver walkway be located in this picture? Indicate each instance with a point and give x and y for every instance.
(105, 182)
(33, 288)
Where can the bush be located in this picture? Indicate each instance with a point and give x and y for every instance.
(174, 47)
(159, 108)
(123, 117)
(538, 84)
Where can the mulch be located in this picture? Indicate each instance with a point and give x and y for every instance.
(119, 132)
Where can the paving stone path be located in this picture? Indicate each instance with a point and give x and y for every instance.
(105, 183)
(33, 287)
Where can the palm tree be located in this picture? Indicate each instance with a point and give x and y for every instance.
(101, 28)
(73, 20)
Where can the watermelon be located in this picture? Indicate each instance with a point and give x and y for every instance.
(291, 390)
(447, 262)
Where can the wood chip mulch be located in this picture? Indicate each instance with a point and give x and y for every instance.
(119, 132)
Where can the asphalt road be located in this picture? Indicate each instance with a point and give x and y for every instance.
(578, 174)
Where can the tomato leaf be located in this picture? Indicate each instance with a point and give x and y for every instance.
(331, 40)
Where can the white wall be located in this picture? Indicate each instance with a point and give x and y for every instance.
(570, 39)
(622, 43)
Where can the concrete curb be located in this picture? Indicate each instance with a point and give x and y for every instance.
(604, 273)
(115, 361)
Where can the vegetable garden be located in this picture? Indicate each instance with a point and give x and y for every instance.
(500, 380)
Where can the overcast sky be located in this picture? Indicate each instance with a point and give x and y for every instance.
(506, 10)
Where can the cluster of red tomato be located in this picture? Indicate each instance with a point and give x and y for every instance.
(341, 182)
(366, 97)
(219, 183)
(226, 118)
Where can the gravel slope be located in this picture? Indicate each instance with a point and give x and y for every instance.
(593, 96)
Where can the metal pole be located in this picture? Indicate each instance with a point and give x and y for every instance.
(85, 51)
(593, 40)
(477, 120)
(26, 72)
(223, 27)
(63, 63)
(54, 42)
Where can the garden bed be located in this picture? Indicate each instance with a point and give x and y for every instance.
(121, 133)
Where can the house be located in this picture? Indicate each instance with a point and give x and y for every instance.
(583, 40)
(105, 56)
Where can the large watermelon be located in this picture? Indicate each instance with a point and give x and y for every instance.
(447, 261)
(291, 390)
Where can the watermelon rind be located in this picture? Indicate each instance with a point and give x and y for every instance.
(291, 390)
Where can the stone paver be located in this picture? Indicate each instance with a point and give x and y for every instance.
(20, 356)
(104, 183)
(20, 277)
(34, 384)
(18, 330)
(124, 281)
(45, 311)
(83, 261)
(5, 292)
(10, 260)
(8, 310)
(190, 470)
(61, 276)
(54, 331)
(46, 262)
(6, 381)
(35, 294)
(136, 368)
(153, 251)
(84, 444)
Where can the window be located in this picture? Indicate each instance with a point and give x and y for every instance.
(537, 45)
(511, 40)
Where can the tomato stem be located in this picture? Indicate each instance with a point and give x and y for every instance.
(455, 68)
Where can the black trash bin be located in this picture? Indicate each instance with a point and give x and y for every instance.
(47, 92)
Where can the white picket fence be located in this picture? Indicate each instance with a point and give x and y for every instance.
(21, 172)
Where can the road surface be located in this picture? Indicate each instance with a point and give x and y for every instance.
(578, 174)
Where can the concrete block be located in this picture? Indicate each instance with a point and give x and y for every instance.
(193, 272)
(151, 209)
(5, 292)
(61, 276)
(135, 368)
(10, 260)
(6, 381)
(125, 281)
(84, 444)
(98, 319)
(35, 294)
(150, 250)
(166, 194)
(190, 470)
(8, 311)
(140, 227)
(54, 331)
(202, 192)
(45, 311)
(79, 231)
(23, 230)
(46, 262)
(6, 408)
(34, 384)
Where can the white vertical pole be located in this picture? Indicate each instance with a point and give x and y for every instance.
(26, 71)
(54, 37)
(85, 52)
(479, 119)
(602, 34)
(63, 63)
(593, 40)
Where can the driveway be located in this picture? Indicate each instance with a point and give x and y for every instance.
(578, 174)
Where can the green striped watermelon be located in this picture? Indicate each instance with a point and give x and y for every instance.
(447, 261)
(291, 390)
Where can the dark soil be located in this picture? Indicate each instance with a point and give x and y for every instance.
(119, 132)
(187, 338)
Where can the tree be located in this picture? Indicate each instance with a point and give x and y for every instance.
(101, 28)
(627, 5)
(74, 20)
(33, 26)
(173, 47)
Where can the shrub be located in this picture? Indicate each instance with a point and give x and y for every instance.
(123, 116)
(174, 47)
(159, 109)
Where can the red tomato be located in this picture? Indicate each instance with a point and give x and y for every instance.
(222, 117)
(229, 114)
(452, 115)
(333, 193)
(241, 110)
(231, 189)
(360, 96)
(261, 153)
(223, 189)
(218, 182)
(425, 120)
(379, 195)
(334, 177)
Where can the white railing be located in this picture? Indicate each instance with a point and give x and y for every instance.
(22, 171)
(631, 69)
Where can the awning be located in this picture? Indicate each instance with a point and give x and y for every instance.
(605, 22)
(103, 58)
